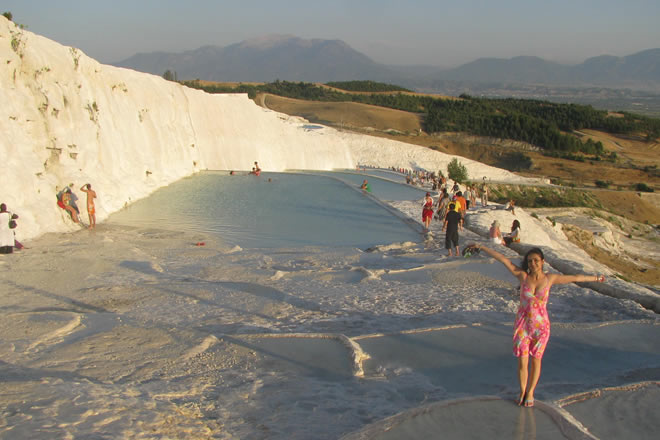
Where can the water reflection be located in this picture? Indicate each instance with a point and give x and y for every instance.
(526, 428)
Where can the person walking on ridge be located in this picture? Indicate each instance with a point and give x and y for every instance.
(443, 205)
(427, 212)
(453, 222)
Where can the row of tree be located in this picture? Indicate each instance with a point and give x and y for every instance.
(366, 86)
(509, 123)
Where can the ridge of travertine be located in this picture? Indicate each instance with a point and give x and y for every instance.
(67, 119)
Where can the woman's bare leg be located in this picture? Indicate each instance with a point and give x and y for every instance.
(522, 377)
(74, 214)
(534, 375)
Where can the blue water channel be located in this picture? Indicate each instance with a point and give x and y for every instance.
(275, 210)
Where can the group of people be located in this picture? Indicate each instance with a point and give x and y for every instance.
(255, 170)
(450, 209)
(455, 200)
(416, 177)
(66, 200)
(495, 234)
(439, 182)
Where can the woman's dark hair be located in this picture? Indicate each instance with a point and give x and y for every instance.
(516, 224)
(537, 251)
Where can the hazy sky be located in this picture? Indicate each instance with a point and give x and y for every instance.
(435, 32)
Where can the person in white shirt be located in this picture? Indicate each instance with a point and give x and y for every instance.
(495, 234)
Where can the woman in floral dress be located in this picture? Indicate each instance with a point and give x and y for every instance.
(532, 327)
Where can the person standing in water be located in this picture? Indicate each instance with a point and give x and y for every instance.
(91, 208)
(532, 326)
(365, 186)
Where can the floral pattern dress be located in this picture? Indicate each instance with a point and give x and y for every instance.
(532, 327)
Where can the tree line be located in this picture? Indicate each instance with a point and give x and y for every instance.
(366, 86)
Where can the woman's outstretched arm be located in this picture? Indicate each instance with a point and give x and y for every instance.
(579, 278)
(515, 270)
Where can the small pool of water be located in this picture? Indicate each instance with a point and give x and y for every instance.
(290, 210)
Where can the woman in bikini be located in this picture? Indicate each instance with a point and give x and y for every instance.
(532, 326)
(68, 205)
(514, 235)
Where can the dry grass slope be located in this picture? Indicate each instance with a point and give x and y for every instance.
(345, 114)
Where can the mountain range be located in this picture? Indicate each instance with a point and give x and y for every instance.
(290, 58)
(264, 59)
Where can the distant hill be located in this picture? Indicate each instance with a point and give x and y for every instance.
(291, 58)
(640, 69)
(514, 70)
(265, 59)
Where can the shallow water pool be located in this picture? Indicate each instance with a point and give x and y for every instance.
(382, 186)
(272, 210)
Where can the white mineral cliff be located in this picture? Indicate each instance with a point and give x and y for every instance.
(65, 119)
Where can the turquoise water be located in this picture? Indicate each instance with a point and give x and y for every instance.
(386, 174)
(291, 210)
(384, 188)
